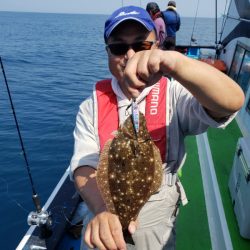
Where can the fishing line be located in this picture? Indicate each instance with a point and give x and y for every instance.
(192, 39)
(61, 210)
(7, 193)
(70, 222)
(35, 195)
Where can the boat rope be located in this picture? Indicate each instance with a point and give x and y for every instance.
(223, 21)
(192, 39)
(238, 18)
(35, 195)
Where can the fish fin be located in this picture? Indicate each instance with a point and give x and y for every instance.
(158, 173)
(102, 177)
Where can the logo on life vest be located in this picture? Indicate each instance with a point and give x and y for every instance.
(154, 101)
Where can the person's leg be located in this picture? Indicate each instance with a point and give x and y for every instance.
(156, 229)
(86, 219)
(156, 220)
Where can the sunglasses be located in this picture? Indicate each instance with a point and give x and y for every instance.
(119, 49)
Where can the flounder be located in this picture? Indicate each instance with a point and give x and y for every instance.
(129, 170)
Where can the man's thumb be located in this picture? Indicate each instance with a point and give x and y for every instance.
(132, 226)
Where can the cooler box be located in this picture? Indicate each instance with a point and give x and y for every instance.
(239, 186)
(193, 52)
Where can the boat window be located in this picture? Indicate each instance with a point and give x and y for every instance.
(237, 60)
(244, 74)
(240, 67)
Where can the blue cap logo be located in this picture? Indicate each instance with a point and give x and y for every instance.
(128, 13)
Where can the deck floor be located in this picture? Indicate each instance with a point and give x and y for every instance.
(223, 144)
(192, 224)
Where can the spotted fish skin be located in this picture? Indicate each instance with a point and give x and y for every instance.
(129, 171)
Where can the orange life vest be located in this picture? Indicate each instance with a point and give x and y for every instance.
(155, 113)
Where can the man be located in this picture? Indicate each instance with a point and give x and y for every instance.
(173, 22)
(191, 105)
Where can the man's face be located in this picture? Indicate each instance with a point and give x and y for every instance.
(128, 32)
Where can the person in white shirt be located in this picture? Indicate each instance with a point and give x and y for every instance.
(193, 103)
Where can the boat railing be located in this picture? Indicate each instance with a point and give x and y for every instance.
(207, 54)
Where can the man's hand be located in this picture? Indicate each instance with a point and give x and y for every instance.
(146, 68)
(105, 232)
(206, 83)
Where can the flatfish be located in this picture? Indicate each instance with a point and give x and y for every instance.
(129, 170)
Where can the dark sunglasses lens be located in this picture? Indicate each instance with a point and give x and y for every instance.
(118, 49)
(145, 45)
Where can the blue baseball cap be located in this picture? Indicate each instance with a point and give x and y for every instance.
(128, 13)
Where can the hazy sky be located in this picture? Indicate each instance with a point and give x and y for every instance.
(186, 8)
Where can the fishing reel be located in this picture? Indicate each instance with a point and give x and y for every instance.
(43, 220)
(40, 218)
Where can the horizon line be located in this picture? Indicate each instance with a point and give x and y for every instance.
(84, 13)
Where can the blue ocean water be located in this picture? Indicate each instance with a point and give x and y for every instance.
(51, 63)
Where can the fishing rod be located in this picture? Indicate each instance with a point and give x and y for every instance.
(39, 217)
(192, 39)
(216, 21)
(218, 43)
(217, 52)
